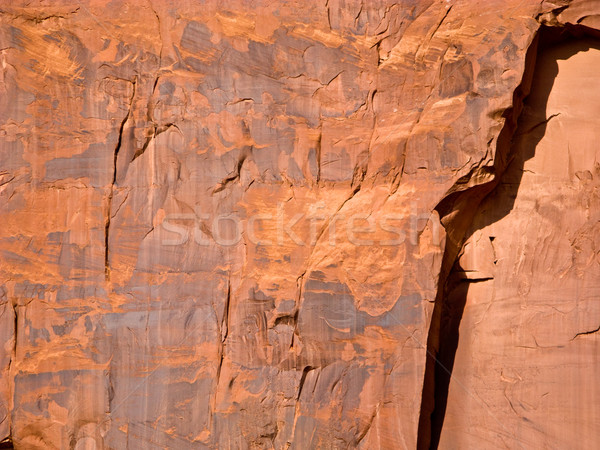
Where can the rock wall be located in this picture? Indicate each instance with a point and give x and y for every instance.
(529, 275)
(236, 225)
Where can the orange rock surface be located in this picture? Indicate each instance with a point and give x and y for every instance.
(297, 224)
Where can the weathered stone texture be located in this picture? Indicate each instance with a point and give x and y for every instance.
(241, 224)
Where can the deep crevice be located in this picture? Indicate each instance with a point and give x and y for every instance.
(457, 211)
(114, 182)
(225, 322)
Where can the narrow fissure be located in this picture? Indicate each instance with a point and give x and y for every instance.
(224, 330)
(112, 186)
(15, 331)
(457, 211)
(318, 156)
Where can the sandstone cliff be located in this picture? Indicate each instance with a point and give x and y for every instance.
(278, 224)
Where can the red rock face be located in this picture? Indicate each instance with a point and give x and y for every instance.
(532, 268)
(258, 226)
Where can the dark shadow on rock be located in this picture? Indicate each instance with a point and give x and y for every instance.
(516, 145)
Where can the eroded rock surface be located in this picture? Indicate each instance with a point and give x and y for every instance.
(224, 224)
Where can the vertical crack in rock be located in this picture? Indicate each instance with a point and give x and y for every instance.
(154, 85)
(328, 15)
(114, 182)
(296, 314)
(110, 389)
(318, 155)
(224, 332)
(457, 211)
